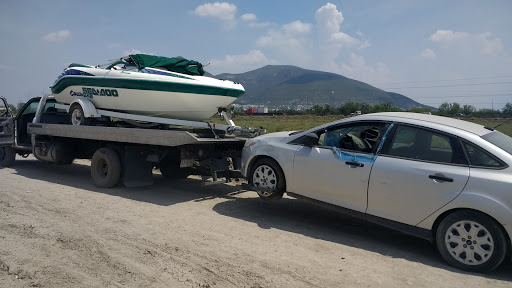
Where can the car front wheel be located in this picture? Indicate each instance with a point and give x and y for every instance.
(471, 241)
(268, 179)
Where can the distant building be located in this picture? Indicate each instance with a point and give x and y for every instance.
(256, 110)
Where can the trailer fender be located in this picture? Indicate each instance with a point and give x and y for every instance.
(87, 106)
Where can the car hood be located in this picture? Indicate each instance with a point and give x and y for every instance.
(274, 137)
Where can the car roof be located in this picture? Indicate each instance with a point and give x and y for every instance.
(439, 120)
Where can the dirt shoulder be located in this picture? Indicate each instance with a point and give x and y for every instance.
(58, 230)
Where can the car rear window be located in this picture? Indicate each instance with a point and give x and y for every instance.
(499, 139)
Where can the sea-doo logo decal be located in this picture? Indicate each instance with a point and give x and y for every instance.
(100, 92)
(91, 92)
(79, 94)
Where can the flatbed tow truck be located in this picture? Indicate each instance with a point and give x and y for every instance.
(120, 151)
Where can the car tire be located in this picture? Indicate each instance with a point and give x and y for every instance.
(471, 241)
(267, 178)
(105, 168)
(77, 117)
(7, 156)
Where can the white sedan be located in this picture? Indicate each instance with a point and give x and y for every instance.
(442, 179)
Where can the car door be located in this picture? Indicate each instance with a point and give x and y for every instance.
(6, 124)
(336, 170)
(418, 171)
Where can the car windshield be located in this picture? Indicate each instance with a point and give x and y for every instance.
(499, 139)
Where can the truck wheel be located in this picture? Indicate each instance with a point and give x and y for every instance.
(171, 169)
(268, 179)
(105, 168)
(471, 241)
(7, 156)
(77, 116)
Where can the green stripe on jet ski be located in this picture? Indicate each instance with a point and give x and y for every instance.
(67, 81)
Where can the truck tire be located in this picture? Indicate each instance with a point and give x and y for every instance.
(7, 156)
(105, 168)
(77, 116)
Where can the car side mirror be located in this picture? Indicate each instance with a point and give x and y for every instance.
(310, 139)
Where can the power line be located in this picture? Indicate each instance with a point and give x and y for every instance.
(449, 85)
(444, 94)
(447, 80)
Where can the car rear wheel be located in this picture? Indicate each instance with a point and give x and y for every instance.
(268, 179)
(471, 241)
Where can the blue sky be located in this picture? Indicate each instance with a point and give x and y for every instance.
(431, 51)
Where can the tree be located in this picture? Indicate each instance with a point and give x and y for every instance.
(13, 109)
(449, 108)
(507, 110)
(444, 108)
(468, 109)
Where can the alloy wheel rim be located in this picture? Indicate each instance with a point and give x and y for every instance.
(469, 242)
(265, 177)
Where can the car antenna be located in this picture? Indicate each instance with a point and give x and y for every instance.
(493, 128)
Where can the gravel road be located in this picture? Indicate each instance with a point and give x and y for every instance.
(58, 230)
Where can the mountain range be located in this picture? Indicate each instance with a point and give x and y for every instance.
(291, 87)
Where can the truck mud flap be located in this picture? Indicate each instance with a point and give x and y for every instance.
(138, 171)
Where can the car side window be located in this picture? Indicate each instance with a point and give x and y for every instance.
(359, 137)
(31, 108)
(425, 145)
(480, 158)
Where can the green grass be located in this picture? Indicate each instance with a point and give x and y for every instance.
(505, 124)
(304, 122)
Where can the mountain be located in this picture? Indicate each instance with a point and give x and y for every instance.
(284, 86)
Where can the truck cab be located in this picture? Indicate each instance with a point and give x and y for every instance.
(7, 152)
(14, 137)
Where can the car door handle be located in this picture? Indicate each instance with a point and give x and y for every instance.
(357, 164)
(442, 178)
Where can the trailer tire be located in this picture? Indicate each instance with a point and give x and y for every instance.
(7, 156)
(105, 168)
(77, 117)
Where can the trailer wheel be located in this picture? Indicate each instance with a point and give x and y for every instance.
(105, 168)
(7, 156)
(77, 116)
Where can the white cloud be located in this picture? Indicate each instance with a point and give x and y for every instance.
(220, 10)
(248, 17)
(489, 45)
(240, 63)
(56, 36)
(329, 21)
(358, 69)
(297, 27)
(484, 43)
(428, 54)
(447, 36)
(132, 51)
(329, 18)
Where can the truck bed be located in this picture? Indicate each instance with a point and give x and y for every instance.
(171, 138)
